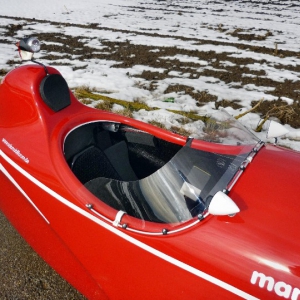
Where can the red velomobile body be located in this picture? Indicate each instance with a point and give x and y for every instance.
(91, 227)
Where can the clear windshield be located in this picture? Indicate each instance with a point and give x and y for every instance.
(184, 186)
(222, 128)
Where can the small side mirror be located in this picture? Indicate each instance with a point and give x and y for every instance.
(27, 47)
(276, 130)
(222, 205)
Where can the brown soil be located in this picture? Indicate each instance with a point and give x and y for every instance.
(24, 275)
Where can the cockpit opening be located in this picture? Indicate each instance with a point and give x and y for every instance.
(153, 179)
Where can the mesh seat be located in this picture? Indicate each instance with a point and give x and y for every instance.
(92, 163)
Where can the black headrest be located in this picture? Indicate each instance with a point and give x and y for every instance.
(55, 92)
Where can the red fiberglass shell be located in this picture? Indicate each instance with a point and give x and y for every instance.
(253, 255)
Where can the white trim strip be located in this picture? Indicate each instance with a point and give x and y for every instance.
(6, 173)
(132, 240)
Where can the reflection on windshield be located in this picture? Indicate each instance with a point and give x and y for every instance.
(177, 192)
(221, 128)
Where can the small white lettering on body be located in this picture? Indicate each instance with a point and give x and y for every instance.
(15, 150)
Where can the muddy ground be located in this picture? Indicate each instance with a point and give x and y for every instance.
(24, 275)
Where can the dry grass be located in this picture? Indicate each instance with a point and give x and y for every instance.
(282, 112)
(251, 109)
(126, 112)
(157, 124)
(86, 101)
(104, 105)
(138, 104)
(180, 130)
(79, 91)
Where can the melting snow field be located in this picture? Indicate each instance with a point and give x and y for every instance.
(203, 55)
